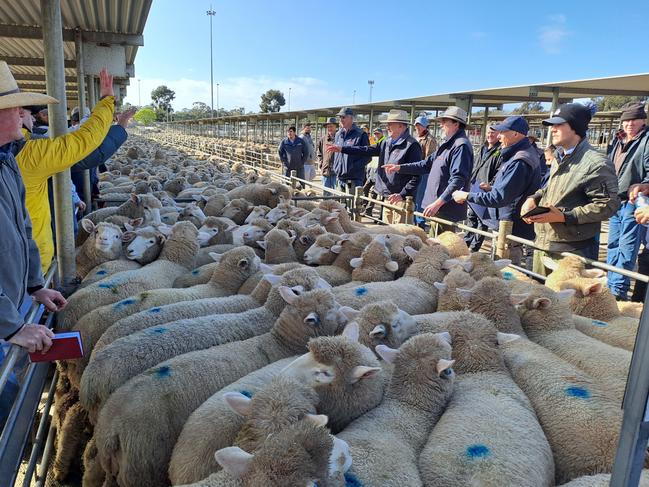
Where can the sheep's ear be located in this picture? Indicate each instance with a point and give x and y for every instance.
(243, 263)
(128, 236)
(411, 252)
(361, 372)
(234, 460)
(350, 313)
(518, 298)
(134, 198)
(216, 257)
(566, 294)
(331, 218)
(265, 268)
(503, 338)
(502, 263)
(392, 266)
(292, 238)
(441, 286)
(541, 303)
(443, 364)
(230, 227)
(464, 293)
(128, 227)
(274, 279)
(549, 263)
(593, 288)
(239, 403)
(287, 294)
(262, 244)
(351, 331)
(446, 336)
(450, 263)
(336, 249)
(322, 284)
(467, 265)
(379, 331)
(386, 353)
(356, 262)
(273, 191)
(319, 420)
(88, 225)
(593, 273)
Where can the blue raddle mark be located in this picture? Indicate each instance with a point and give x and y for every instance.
(164, 371)
(578, 392)
(159, 330)
(509, 276)
(246, 393)
(101, 273)
(360, 291)
(157, 309)
(195, 272)
(123, 303)
(477, 451)
(599, 323)
(352, 481)
(107, 285)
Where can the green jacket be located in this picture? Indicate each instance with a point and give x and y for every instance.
(584, 187)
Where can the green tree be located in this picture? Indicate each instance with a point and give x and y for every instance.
(529, 107)
(272, 101)
(145, 116)
(614, 102)
(162, 98)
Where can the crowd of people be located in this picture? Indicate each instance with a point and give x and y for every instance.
(558, 196)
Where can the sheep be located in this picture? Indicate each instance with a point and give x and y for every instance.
(375, 263)
(192, 213)
(580, 418)
(383, 323)
(454, 244)
(103, 244)
(481, 266)
(200, 275)
(278, 247)
(107, 371)
(603, 480)
(257, 212)
(215, 231)
(567, 268)
(214, 204)
(352, 384)
(603, 319)
(262, 194)
(396, 244)
(281, 211)
(489, 434)
(109, 268)
(342, 251)
(449, 300)
(93, 474)
(252, 232)
(301, 454)
(237, 210)
(417, 284)
(234, 267)
(419, 390)
(135, 446)
(320, 252)
(547, 318)
(306, 237)
(177, 257)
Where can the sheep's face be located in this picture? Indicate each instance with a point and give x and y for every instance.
(276, 214)
(234, 210)
(140, 244)
(323, 252)
(307, 370)
(206, 233)
(309, 219)
(252, 234)
(151, 207)
(545, 310)
(193, 212)
(108, 238)
(394, 329)
(257, 212)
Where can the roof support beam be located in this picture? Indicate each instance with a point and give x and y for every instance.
(594, 91)
(40, 78)
(29, 32)
(33, 61)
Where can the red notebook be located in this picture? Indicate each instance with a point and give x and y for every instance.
(65, 346)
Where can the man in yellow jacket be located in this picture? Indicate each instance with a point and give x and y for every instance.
(40, 159)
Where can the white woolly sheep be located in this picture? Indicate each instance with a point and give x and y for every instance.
(375, 263)
(449, 300)
(278, 247)
(454, 243)
(192, 213)
(567, 268)
(215, 231)
(237, 210)
(603, 480)
(103, 244)
(383, 323)
(262, 194)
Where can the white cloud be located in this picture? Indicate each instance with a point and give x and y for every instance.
(245, 92)
(551, 35)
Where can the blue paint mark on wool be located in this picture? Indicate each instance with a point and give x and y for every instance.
(578, 392)
(352, 481)
(599, 323)
(164, 371)
(107, 285)
(123, 303)
(360, 291)
(509, 276)
(246, 393)
(101, 273)
(154, 310)
(195, 273)
(160, 330)
(477, 451)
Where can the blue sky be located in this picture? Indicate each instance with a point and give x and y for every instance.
(326, 50)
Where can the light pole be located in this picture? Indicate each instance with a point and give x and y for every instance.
(139, 93)
(289, 99)
(371, 83)
(211, 13)
(217, 99)
(354, 98)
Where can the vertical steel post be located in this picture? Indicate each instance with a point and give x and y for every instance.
(92, 98)
(55, 80)
(485, 121)
(78, 44)
(555, 105)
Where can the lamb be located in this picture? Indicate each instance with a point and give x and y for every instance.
(454, 244)
(102, 271)
(489, 434)
(320, 252)
(262, 194)
(151, 346)
(237, 210)
(483, 266)
(375, 263)
(214, 204)
(103, 244)
(215, 231)
(257, 212)
(278, 247)
(234, 268)
(419, 390)
(345, 249)
(306, 237)
(324, 218)
(580, 418)
(602, 318)
(417, 283)
(567, 268)
(252, 232)
(449, 300)
(192, 213)
(135, 446)
(547, 318)
(383, 323)
(396, 244)
(603, 480)
(352, 384)
(176, 257)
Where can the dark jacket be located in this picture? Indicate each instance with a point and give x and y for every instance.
(635, 166)
(326, 159)
(449, 169)
(583, 186)
(518, 177)
(293, 154)
(21, 264)
(486, 167)
(405, 150)
(348, 166)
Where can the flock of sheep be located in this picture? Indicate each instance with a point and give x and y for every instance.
(243, 340)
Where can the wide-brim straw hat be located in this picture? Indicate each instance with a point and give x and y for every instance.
(12, 97)
(400, 116)
(454, 113)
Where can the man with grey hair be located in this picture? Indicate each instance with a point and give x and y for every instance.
(350, 168)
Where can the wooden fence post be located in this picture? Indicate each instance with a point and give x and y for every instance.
(410, 210)
(358, 203)
(504, 229)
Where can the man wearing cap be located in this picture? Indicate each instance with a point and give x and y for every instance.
(630, 158)
(350, 168)
(293, 153)
(448, 168)
(41, 119)
(370, 172)
(309, 164)
(20, 272)
(581, 190)
(325, 159)
(399, 148)
(518, 177)
(428, 146)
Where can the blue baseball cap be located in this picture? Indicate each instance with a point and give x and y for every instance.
(515, 123)
(423, 121)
